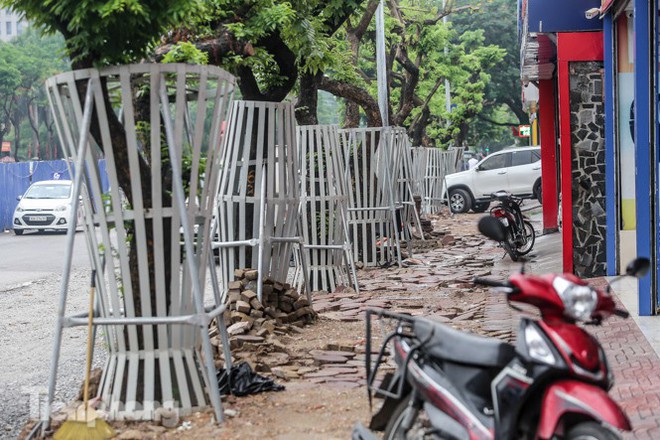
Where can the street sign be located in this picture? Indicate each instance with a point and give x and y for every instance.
(524, 131)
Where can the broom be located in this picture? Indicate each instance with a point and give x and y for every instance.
(85, 423)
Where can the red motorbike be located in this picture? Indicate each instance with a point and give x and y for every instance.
(553, 384)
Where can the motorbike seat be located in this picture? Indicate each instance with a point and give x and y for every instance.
(461, 347)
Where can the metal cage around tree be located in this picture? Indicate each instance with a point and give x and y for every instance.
(372, 163)
(159, 128)
(324, 208)
(258, 202)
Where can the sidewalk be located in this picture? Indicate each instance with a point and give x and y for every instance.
(633, 360)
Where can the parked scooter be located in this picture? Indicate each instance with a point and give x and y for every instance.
(454, 385)
(520, 233)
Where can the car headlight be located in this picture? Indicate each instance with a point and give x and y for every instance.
(61, 208)
(19, 209)
(579, 301)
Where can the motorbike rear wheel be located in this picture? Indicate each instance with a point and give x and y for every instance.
(408, 422)
(590, 431)
(510, 248)
(531, 236)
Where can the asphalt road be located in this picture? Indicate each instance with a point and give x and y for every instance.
(33, 256)
(31, 268)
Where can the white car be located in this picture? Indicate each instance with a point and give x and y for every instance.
(515, 170)
(46, 205)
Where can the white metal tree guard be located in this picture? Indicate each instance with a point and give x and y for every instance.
(407, 188)
(434, 164)
(259, 195)
(372, 160)
(324, 205)
(151, 265)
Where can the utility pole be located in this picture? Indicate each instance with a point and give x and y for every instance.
(447, 90)
(381, 65)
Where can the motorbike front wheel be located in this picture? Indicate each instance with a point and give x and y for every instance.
(590, 431)
(408, 422)
(530, 236)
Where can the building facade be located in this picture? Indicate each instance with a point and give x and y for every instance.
(597, 65)
(11, 24)
(631, 73)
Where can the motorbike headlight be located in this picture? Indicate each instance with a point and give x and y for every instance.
(579, 301)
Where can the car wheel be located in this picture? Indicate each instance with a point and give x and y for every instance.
(481, 207)
(459, 201)
(18, 231)
(538, 191)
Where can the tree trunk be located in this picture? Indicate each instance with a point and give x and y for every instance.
(351, 115)
(33, 118)
(419, 129)
(120, 152)
(286, 62)
(51, 145)
(307, 105)
(17, 137)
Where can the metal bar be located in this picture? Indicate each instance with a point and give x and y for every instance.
(228, 244)
(192, 264)
(71, 232)
(262, 217)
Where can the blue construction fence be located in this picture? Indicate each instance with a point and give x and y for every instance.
(15, 178)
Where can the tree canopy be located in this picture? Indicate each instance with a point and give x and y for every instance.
(278, 47)
(503, 106)
(296, 48)
(102, 32)
(25, 63)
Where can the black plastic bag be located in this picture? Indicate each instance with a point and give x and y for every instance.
(244, 381)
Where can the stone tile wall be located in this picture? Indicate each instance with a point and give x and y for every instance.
(588, 168)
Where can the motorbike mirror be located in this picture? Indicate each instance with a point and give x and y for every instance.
(638, 267)
(492, 228)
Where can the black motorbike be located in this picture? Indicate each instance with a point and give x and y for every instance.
(520, 233)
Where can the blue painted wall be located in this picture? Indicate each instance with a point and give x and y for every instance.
(644, 159)
(562, 16)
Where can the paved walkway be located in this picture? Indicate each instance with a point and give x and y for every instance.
(632, 359)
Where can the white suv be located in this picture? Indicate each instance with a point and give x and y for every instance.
(515, 170)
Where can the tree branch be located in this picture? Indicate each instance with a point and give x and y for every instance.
(425, 105)
(446, 12)
(502, 124)
(355, 94)
(218, 47)
(359, 30)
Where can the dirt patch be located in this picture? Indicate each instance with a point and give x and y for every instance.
(316, 404)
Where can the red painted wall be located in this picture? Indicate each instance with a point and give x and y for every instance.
(576, 46)
(549, 163)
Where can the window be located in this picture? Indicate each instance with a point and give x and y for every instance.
(495, 162)
(19, 28)
(8, 28)
(536, 155)
(521, 158)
